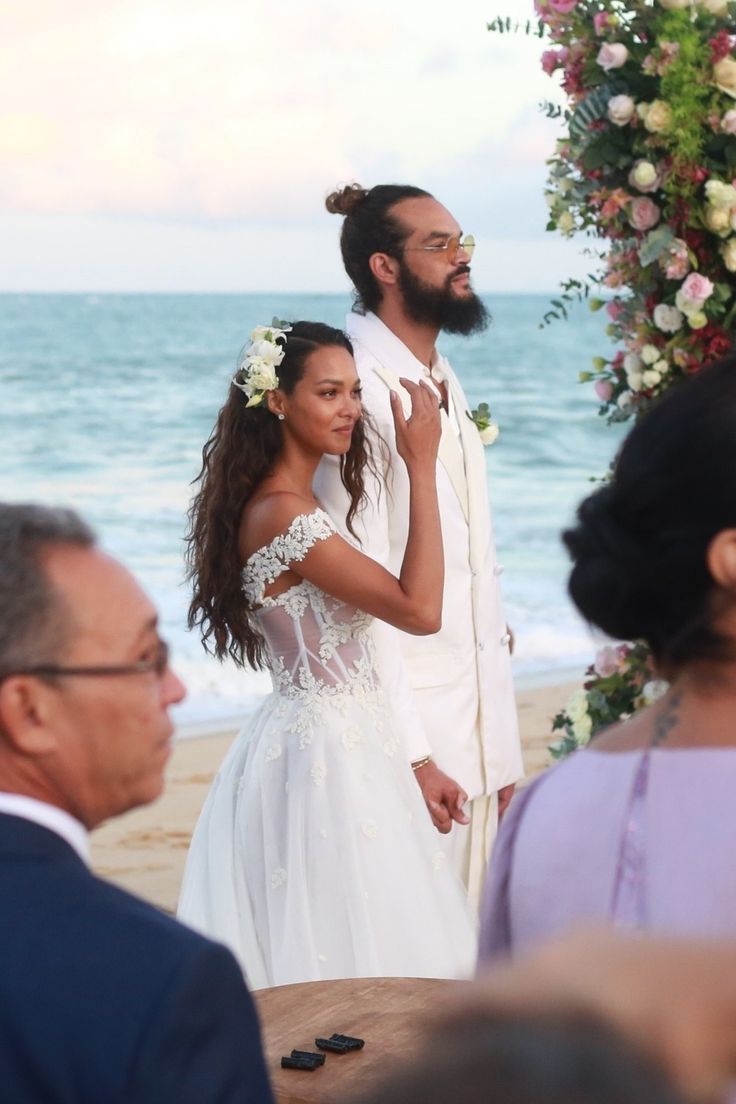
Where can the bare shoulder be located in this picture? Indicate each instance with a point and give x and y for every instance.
(268, 516)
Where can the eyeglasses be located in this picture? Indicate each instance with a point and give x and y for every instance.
(451, 246)
(158, 666)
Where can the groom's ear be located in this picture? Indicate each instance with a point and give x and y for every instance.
(384, 268)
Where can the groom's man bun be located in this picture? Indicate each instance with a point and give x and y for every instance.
(369, 227)
(346, 200)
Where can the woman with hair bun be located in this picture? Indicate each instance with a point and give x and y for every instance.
(639, 829)
(315, 856)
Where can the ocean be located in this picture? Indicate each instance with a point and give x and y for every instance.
(108, 399)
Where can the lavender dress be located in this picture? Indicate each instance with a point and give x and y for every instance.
(644, 839)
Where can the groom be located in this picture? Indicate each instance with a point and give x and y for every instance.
(102, 997)
(409, 262)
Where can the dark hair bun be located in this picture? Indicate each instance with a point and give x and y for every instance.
(611, 580)
(346, 200)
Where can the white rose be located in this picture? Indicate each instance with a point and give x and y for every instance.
(635, 381)
(728, 252)
(697, 320)
(261, 377)
(724, 73)
(720, 194)
(650, 354)
(620, 110)
(582, 729)
(624, 401)
(489, 434)
(651, 377)
(632, 364)
(577, 706)
(566, 223)
(715, 7)
(658, 117)
(642, 110)
(667, 319)
(653, 690)
(612, 55)
(643, 175)
(662, 367)
(718, 219)
(728, 122)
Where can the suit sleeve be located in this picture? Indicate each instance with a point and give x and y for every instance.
(202, 1042)
(373, 529)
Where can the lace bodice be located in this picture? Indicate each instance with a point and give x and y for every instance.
(317, 644)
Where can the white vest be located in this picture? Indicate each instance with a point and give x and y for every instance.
(453, 690)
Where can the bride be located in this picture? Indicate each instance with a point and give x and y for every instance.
(314, 856)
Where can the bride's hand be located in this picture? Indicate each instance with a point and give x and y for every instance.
(417, 437)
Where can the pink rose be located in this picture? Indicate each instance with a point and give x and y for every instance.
(601, 22)
(677, 261)
(696, 289)
(607, 661)
(553, 59)
(643, 213)
(545, 8)
(614, 309)
(612, 55)
(728, 122)
(604, 390)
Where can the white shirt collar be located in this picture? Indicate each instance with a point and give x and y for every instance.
(368, 329)
(48, 816)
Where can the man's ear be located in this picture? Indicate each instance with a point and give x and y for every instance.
(721, 559)
(26, 713)
(384, 268)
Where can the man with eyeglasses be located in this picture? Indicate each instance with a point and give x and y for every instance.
(102, 997)
(409, 262)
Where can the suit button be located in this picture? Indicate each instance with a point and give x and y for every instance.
(481, 645)
(505, 639)
(498, 569)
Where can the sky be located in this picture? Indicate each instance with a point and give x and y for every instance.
(188, 145)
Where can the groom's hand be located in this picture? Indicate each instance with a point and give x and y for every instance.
(443, 797)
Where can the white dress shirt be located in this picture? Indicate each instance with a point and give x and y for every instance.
(48, 816)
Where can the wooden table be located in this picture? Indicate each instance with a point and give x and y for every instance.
(389, 1013)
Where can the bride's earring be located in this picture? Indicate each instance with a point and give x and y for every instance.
(281, 417)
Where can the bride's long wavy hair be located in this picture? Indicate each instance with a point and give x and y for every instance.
(242, 450)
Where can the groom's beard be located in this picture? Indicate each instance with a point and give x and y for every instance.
(440, 307)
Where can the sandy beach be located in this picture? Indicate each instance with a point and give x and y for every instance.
(144, 851)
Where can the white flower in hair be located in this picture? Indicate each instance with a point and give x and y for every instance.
(259, 360)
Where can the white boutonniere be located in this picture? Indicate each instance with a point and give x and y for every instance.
(481, 417)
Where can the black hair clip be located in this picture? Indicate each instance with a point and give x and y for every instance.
(303, 1060)
(340, 1044)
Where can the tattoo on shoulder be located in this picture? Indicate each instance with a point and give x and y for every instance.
(666, 720)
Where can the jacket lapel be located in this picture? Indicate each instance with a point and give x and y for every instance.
(450, 454)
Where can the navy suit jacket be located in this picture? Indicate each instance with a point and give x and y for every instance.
(104, 999)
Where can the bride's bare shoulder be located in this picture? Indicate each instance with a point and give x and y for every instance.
(269, 515)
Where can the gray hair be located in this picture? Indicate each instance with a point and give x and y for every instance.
(32, 625)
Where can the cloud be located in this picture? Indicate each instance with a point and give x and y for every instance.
(247, 112)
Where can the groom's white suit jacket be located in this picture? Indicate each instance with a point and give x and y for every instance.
(453, 691)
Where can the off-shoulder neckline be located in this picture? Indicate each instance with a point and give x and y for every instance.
(318, 510)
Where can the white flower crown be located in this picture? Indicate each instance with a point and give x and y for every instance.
(259, 360)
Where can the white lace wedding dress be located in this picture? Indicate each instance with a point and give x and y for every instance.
(314, 856)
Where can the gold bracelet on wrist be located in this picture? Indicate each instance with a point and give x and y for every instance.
(421, 762)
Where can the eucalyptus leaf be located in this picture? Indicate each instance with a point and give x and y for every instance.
(656, 244)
